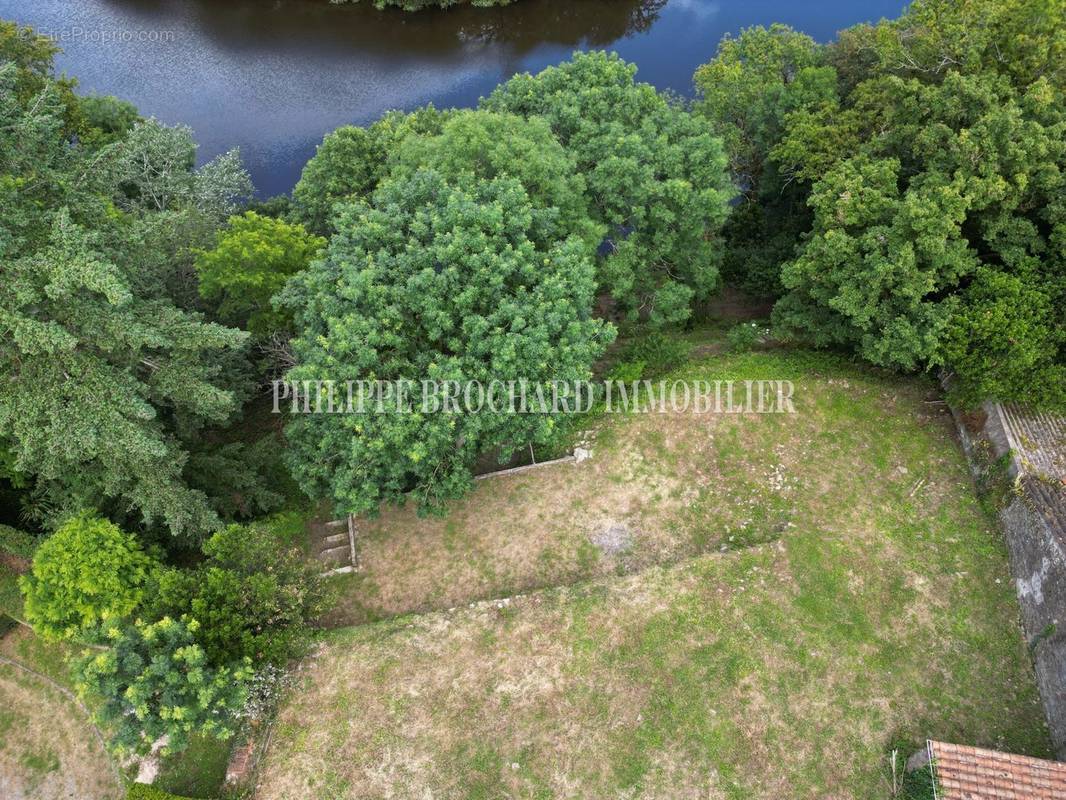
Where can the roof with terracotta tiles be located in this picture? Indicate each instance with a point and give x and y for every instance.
(972, 773)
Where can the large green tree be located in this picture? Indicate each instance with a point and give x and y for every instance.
(352, 161)
(920, 192)
(929, 151)
(656, 179)
(103, 368)
(486, 145)
(251, 262)
(1024, 40)
(745, 92)
(442, 281)
(32, 56)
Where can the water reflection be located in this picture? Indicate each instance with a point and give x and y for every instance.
(273, 76)
(594, 23)
(270, 25)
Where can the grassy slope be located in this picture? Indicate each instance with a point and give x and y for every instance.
(47, 745)
(877, 609)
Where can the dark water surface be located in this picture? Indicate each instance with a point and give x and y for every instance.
(273, 76)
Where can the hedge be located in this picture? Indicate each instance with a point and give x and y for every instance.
(17, 543)
(144, 791)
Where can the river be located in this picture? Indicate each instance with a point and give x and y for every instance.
(273, 76)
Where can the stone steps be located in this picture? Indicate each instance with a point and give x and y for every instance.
(335, 539)
(331, 543)
(336, 555)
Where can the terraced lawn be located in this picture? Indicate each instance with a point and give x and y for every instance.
(659, 488)
(765, 607)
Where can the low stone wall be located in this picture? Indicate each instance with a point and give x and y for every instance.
(1034, 524)
(579, 455)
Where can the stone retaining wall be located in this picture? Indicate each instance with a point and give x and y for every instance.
(1034, 524)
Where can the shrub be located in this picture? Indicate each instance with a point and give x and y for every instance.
(746, 336)
(253, 597)
(1005, 335)
(627, 371)
(657, 353)
(919, 785)
(89, 572)
(156, 680)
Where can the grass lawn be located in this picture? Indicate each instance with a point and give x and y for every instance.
(48, 747)
(767, 605)
(660, 488)
(197, 772)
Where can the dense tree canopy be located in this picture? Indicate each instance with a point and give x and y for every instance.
(486, 145)
(254, 597)
(1024, 40)
(442, 281)
(103, 363)
(634, 174)
(902, 194)
(746, 91)
(32, 56)
(965, 172)
(938, 177)
(930, 152)
(351, 162)
(656, 178)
